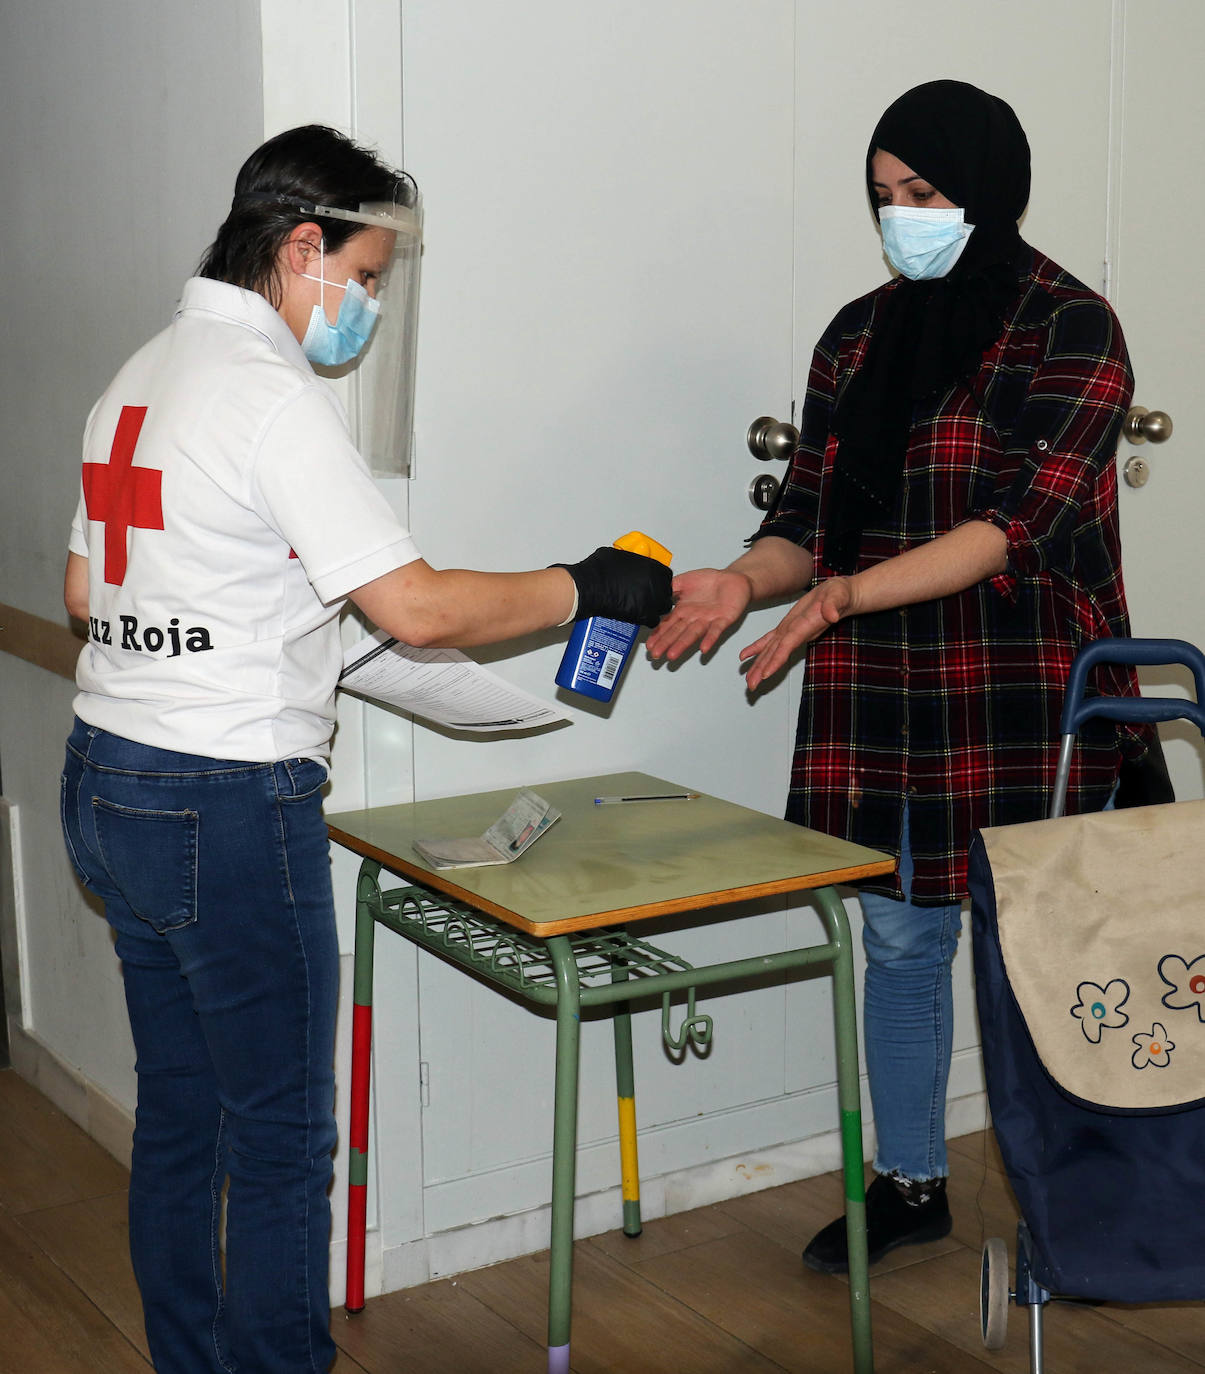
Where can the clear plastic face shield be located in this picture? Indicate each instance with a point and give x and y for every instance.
(382, 377)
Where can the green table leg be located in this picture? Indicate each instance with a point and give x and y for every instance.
(564, 1151)
(849, 1099)
(625, 1092)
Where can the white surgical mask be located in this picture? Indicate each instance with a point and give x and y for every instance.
(923, 244)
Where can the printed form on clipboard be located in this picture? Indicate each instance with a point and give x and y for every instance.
(443, 686)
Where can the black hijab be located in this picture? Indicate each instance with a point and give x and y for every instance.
(930, 334)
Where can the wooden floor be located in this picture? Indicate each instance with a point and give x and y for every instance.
(716, 1291)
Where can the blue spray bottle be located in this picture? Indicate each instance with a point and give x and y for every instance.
(598, 648)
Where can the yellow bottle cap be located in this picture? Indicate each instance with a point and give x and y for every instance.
(635, 542)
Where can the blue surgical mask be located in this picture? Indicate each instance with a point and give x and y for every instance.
(332, 345)
(923, 244)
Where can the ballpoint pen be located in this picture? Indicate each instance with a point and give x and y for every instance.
(652, 796)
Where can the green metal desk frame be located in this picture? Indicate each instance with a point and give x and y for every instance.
(579, 970)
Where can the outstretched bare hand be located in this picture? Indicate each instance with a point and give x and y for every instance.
(708, 601)
(807, 620)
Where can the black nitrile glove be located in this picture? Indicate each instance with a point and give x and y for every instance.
(621, 586)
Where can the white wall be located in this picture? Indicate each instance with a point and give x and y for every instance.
(124, 124)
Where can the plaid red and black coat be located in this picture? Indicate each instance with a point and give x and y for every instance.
(952, 706)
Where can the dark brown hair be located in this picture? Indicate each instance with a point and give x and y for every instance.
(277, 185)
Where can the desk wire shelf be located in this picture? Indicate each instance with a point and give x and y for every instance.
(511, 957)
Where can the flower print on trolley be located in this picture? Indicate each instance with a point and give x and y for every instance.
(1153, 1048)
(1187, 983)
(1100, 1007)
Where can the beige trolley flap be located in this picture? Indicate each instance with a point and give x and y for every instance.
(1102, 933)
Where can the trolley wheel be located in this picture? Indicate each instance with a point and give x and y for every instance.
(993, 1293)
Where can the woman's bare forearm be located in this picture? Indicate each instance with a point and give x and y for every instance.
(774, 567)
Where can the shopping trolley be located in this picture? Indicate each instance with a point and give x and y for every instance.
(1089, 951)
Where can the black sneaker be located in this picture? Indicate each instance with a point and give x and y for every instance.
(892, 1218)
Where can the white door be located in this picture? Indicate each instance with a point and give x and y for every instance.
(1161, 300)
(640, 217)
(606, 306)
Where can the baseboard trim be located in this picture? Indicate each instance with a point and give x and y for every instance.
(95, 1112)
(502, 1238)
(488, 1242)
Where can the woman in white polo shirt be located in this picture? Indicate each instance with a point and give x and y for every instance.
(224, 519)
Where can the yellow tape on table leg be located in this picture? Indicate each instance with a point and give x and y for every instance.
(629, 1165)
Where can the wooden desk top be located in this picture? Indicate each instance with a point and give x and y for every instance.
(606, 865)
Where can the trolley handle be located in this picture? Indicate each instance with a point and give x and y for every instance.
(1077, 708)
(1147, 711)
(1140, 710)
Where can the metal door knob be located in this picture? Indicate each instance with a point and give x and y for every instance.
(771, 438)
(1141, 424)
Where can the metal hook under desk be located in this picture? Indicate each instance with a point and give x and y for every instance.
(695, 1028)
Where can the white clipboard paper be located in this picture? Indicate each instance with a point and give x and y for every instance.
(443, 686)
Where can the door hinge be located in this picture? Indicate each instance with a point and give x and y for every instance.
(424, 1083)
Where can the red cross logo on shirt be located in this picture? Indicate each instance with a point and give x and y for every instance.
(122, 496)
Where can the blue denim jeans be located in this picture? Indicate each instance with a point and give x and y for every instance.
(215, 878)
(908, 1024)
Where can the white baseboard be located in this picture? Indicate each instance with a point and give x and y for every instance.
(502, 1238)
(106, 1121)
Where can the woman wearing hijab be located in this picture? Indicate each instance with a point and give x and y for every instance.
(952, 506)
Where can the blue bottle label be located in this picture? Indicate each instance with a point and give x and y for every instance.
(595, 655)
